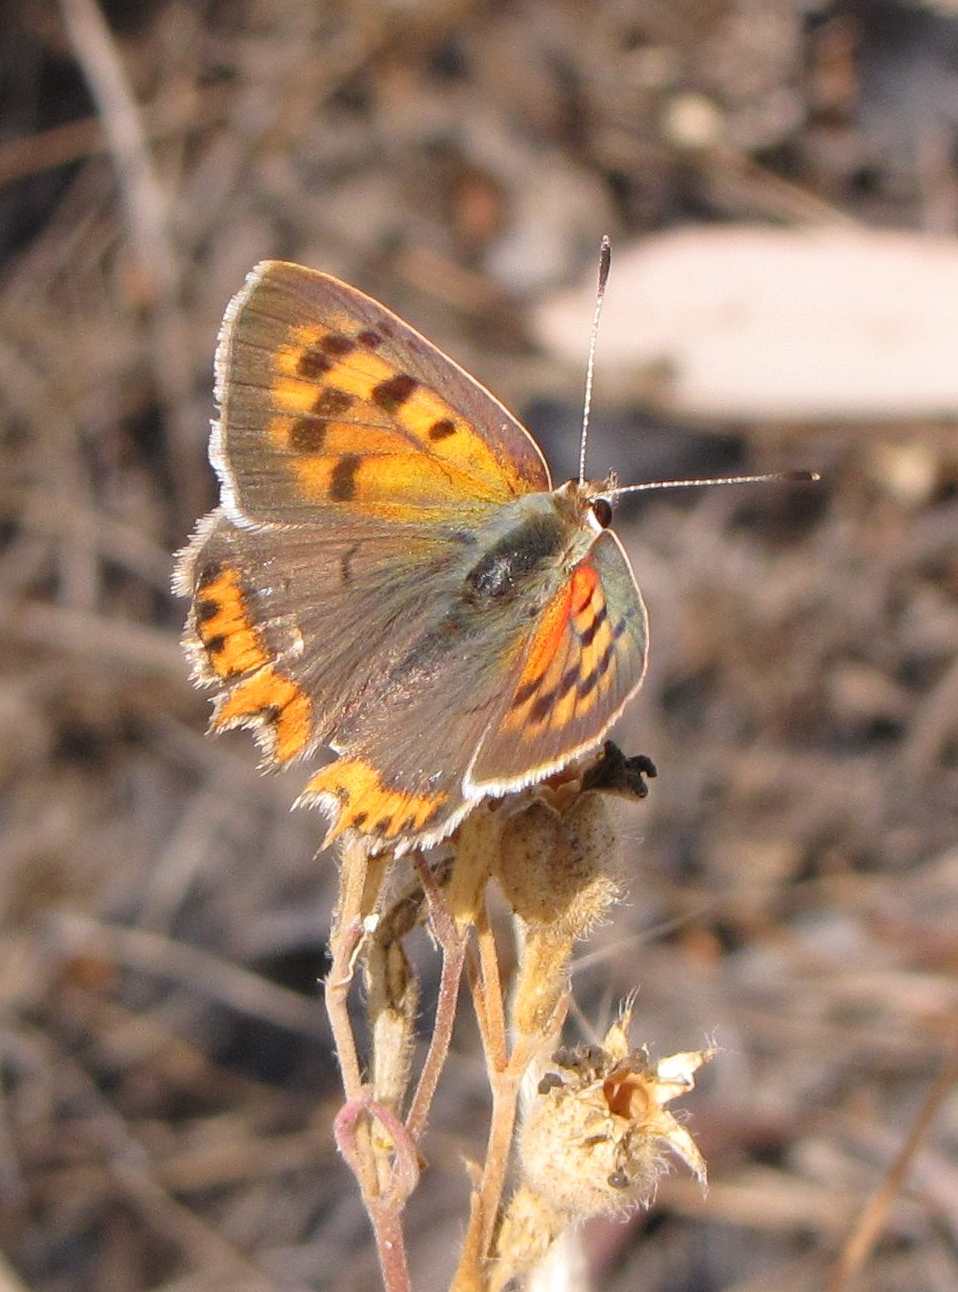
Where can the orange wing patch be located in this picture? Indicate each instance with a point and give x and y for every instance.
(224, 627)
(569, 665)
(596, 664)
(356, 796)
(273, 705)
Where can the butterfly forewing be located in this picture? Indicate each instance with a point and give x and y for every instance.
(328, 403)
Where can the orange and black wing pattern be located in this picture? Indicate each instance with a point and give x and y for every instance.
(329, 402)
(584, 661)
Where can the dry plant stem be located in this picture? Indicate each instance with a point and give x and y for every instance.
(406, 1164)
(505, 1095)
(453, 945)
(489, 1005)
(344, 939)
(505, 1074)
(868, 1226)
(385, 1212)
(122, 125)
(356, 892)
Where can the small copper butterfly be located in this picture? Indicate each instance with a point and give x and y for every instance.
(391, 573)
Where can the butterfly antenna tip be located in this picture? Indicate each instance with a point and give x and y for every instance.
(767, 477)
(605, 261)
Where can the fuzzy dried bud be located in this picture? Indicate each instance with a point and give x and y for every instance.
(392, 1002)
(559, 870)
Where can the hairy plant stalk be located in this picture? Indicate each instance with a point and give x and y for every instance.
(452, 944)
(505, 1096)
(488, 992)
(357, 895)
(505, 1074)
(345, 936)
(385, 1209)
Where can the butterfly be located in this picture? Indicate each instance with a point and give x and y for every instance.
(391, 573)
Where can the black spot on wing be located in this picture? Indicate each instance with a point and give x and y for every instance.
(606, 659)
(210, 572)
(442, 429)
(392, 394)
(542, 706)
(589, 683)
(342, 484)
(332, 402)
(337, 344)
(370, 338)
(346, 564)
(306, 435)
(545, 701)
(207, 608)
(525, 693)
(567, 682)
(588, 637)
(312, 364)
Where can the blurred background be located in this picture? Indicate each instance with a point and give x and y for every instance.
(780, 180)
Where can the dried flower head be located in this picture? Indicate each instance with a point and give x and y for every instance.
(594, 1137)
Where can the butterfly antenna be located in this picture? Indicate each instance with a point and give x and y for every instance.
(605, 260)
(789, 477)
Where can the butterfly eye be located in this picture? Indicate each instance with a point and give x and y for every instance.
(602, 511)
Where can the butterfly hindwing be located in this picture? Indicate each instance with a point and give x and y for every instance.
(361, 640)
(296, 621)
(330, 403)
(583, 662)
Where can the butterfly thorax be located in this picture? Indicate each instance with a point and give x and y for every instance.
(532, 541)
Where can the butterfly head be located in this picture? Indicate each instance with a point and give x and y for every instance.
(590, 501)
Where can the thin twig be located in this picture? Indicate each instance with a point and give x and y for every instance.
(505, 1074)
(453, 946)
(505, 1091)
(385, 1211)
(151, 238)
(240, 989)
(345, 937)
(866, 1229)
(119, 113)
(406, 1172)
(358, 885)
(77, 140)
